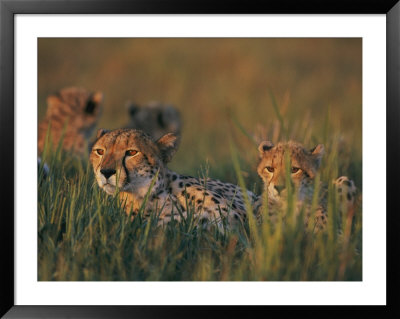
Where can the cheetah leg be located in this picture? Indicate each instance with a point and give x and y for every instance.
(320, 219)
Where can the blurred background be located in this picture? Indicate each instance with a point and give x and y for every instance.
(225, 89)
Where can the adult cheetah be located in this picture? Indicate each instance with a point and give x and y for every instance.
(130, 160)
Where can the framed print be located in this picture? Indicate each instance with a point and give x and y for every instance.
(171, 158)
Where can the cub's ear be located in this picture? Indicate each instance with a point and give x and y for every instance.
(52, 100)
(97, 97)
(93, 102)
(54, 104)
(264, 147)
(168, 145)
(133, 108)
(317, 152)
(101, 132)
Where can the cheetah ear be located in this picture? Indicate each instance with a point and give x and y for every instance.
(317, 152)
(54, 104)
(168, 145)
(52, 99)
(133, 108)
(264, 147)
(101, 132)
(97, 97)
(94, 101)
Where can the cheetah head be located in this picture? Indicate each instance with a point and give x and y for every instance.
(128, 159)
(155, 119)
(80, 107)
(304, 165)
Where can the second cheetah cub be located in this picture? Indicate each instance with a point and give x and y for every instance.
(304, 166)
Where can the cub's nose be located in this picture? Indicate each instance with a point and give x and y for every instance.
(108, 172)
(279, 188)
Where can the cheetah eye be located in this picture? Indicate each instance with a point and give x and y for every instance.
(100, 151)
(295, 170)
(270, 169)
(131, 153)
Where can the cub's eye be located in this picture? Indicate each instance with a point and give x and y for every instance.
(295, 170)
(131, 153)
(100, 151)
(270, 169)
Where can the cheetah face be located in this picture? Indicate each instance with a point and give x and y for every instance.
(128, 160)
(303, 165)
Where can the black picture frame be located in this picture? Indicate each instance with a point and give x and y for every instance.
(8, 10)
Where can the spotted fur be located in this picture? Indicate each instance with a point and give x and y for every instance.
(346, 192)
(130, 160)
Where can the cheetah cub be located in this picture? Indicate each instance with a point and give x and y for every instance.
(80, 108)
(304, 165)
(131, 161)
(155, 119)
(77, 108)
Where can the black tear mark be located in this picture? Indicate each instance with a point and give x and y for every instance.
(126, 171)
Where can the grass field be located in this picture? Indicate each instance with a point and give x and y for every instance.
(230, 92)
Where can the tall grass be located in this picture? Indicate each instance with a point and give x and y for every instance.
(84, 234)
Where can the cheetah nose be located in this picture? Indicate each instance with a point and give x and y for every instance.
(108, 172)
(279, 188)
